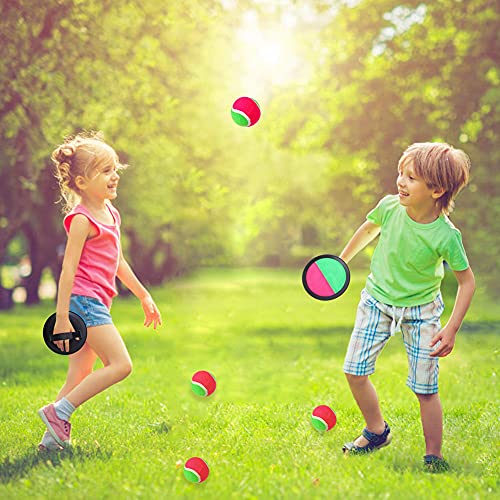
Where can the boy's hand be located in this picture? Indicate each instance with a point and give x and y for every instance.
(447, 338)
(151, 312)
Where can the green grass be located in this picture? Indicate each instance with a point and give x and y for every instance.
(276, 354)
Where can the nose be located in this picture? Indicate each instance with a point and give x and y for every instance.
(399, 181)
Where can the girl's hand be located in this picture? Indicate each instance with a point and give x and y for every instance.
(151, 312)
(63, 326)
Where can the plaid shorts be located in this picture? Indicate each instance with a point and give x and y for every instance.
(377, 322)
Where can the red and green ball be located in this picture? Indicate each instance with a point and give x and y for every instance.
(323, 418)
(245, 111)
(203, 383)
(196, 470)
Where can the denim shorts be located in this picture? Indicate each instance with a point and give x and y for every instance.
(91, 310)
(377, 322)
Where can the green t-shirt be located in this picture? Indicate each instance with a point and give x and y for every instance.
(407, 265)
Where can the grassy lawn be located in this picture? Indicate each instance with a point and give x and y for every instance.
(276, 354)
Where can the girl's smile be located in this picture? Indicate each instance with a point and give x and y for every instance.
(104, 184)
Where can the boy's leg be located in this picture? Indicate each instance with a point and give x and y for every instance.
(366, 397)
(420, 326)
(370, 334)
(431, 413)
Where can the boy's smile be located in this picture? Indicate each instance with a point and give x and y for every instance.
(415, 195)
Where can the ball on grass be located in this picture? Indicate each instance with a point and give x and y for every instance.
(323, 418)
(203, 383)
(196, 470)
(245, 111)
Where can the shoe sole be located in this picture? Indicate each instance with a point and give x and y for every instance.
(57, 439)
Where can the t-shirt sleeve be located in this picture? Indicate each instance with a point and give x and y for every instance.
(378, 214)
(454, 252)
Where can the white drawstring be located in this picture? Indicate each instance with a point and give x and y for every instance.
(396, 325)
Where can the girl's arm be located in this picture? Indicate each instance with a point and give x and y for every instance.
(130, 280)
(466, 288)
(364, 235)
(78, 232)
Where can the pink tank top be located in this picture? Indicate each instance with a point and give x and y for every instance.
(96, 272)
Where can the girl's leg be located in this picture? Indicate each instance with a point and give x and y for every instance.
(81, 383)
(365, 395)
(431, 413)
(106, 342)
(81, 364)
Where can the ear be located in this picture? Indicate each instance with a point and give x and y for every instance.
(80, 182)
(437, 193)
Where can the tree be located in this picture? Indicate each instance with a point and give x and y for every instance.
(397, 73)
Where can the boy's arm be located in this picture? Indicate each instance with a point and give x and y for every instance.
(130, 280)
(367, 232)
(466, 287)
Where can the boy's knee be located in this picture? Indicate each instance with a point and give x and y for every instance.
(424, 398)
(355, 379)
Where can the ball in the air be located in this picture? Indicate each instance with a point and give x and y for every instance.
(196, 470)
(323, 418)
(203, 383)
(245, 111)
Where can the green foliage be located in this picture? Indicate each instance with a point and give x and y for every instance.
(392, 75)
(158, 79)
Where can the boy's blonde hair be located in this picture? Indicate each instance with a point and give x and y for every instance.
(79, 156)
(441, 166)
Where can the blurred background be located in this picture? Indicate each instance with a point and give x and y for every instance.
(344, 87)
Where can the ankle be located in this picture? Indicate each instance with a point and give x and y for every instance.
(377, 428)
(64, 409)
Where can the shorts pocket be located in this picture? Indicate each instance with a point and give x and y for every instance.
(367, 299)
(432, 311)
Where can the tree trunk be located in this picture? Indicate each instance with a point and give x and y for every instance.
(43, 231)
(145, 268)
(6, 301)
(32, 283)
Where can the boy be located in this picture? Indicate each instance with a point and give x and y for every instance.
(403, 290)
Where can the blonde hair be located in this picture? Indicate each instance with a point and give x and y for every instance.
(441, 166)
(79, 156)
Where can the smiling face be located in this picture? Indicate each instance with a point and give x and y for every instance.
(413, 190)
(443, 169)
(104, 183)
(101, 182)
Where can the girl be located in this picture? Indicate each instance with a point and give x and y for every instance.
(87, 171)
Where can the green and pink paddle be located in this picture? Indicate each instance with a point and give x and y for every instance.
(326, 277)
